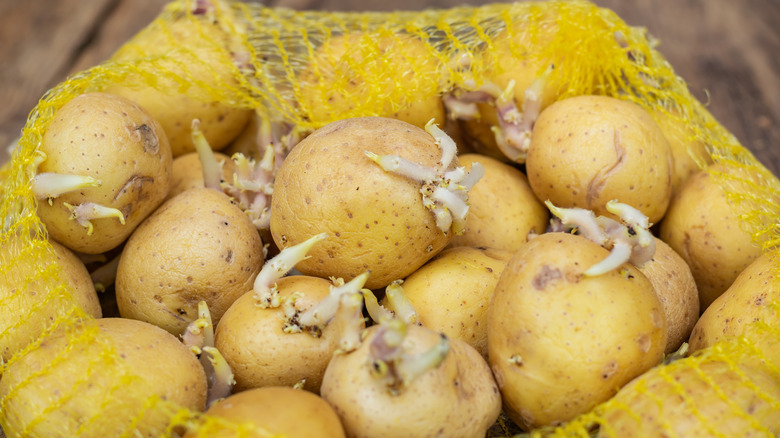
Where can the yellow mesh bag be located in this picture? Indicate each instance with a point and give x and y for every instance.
(388, 63)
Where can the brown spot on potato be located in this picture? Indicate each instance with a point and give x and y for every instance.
(149, 138)
(597, 183)
(545, 275)
(609, 369)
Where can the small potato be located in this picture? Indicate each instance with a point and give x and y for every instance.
(101, 380)
(749, 299)
(187, 172)
(208, 72)
(673, 282)
(198, 246)
(696, 398)
(703, 228)
(559, 342)
(376, 219)
(259, 351)
(503, 210)
(27, 307)
(116, 142)
(337, 81)
(588, 150)
(271, 411)
(457, 398)
(451, 292)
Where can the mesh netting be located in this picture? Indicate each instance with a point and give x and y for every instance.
(283, 64)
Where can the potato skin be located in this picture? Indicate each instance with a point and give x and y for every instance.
(261, 354)
(457, 399)
(197, 246)
(701, 226)
(560, 343)
(114, 140)
(728, 399)
(673, 282)
(588, 150)
(451, 292)
(747, 300)
(88, 393)
(503, 210)
(30, 303)
(375, 219)
(278, 410)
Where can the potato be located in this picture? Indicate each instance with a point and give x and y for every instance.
(376, 218)
(690, 154)
(187, 172)
(749, 299)
(277, 411)
(204, 48)
(101, 380)
(700, 398)
(261, 353)
(559, 343)
(673, 282)
(588, 150)
(341, 74)
(451, 292)
(116, 142)
(27, 308)
(458, 398)
(702, 227)
(198, 246)
(504, 212)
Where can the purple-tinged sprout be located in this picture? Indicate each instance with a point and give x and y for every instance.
(221, 381)
(584, 220)
(400, 304)
(212, 171)
(458, 109)
(265, 291)
(410, 367)
(375, 310)
(105, 275)
(51, 185)
(403, 167)
(252, 186)
(634, 219)
(85, 213)
(319, 314)
(350, 322)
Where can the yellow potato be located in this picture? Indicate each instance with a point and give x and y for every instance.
(117, 142)
(458, 398)
(27, 308)
(339, 78)
(451, 292)
(689, 153)
(673, 282)
(708, 398)
(101, 380)
(208, 73)
(503, 212)
(198, 246)
(258, 350)
(702, 227)
(749, 299)
(559, 343)
(588, 150)
(187, 172)
(277, 411)
(376, 220)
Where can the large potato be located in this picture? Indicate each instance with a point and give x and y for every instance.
(503, 212)
(702, 227)
(376, 219)
(560, 343)
(198, 246)
(103, 379)
(117, 142)
(27, 308)
(588, 150)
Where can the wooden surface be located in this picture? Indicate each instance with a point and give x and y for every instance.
(725, 49)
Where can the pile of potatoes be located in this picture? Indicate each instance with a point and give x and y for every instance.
(432, 287)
